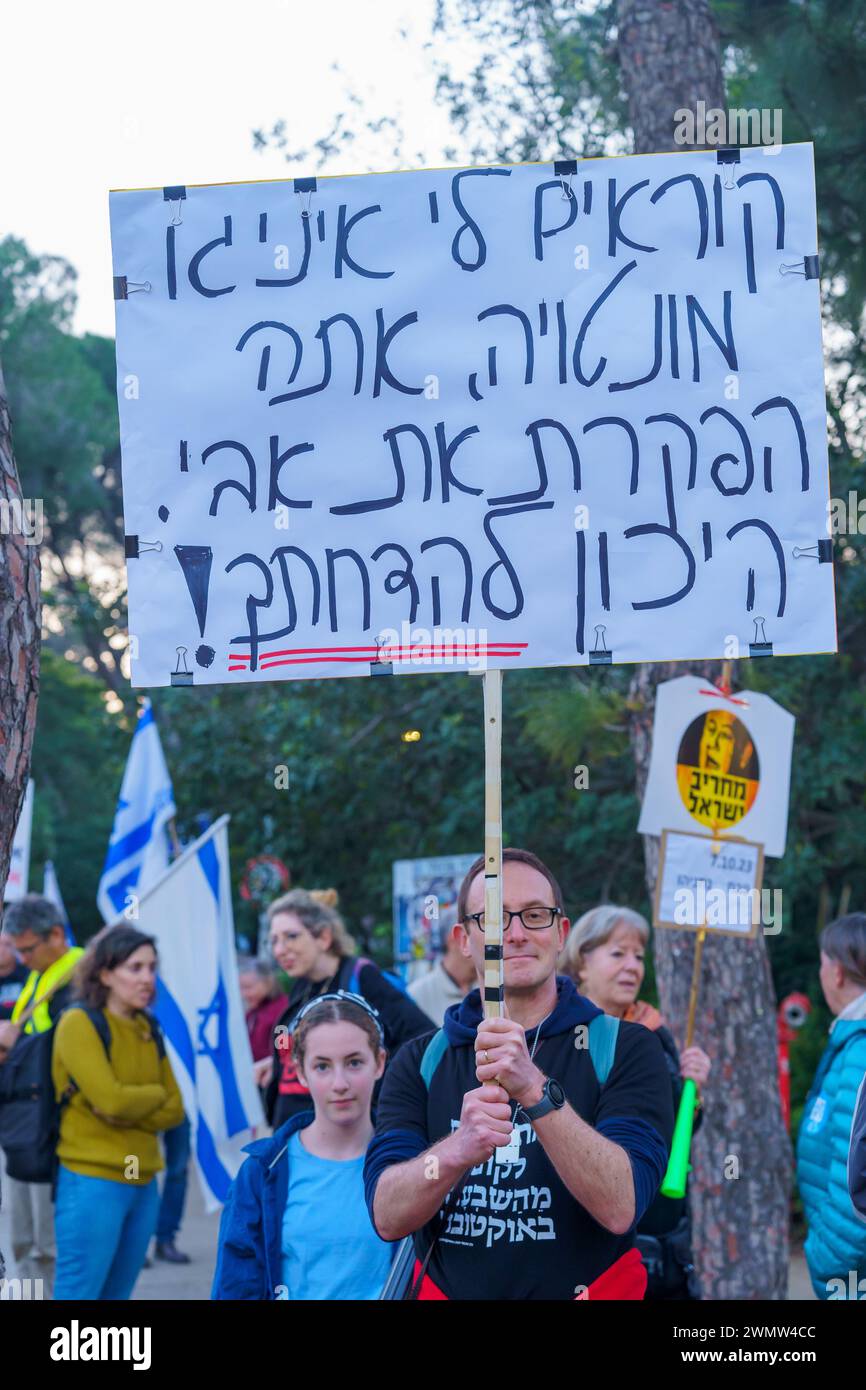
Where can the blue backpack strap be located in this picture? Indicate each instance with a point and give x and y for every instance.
(603, 1032)
(432, 1056)
(354, 984)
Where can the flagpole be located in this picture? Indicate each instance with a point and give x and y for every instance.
(176, 847)
(494, 977)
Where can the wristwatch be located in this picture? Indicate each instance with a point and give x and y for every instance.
(552, 1098)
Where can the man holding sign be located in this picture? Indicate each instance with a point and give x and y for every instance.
(546, 1130)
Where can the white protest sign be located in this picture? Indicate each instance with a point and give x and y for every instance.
(707, 883)
(508, 416)
(720, 763)
(19, 863)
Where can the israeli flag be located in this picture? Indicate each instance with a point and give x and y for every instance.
(138, 851)
(198, 1003)
(51, 891)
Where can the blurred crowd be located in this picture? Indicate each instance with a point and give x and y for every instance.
(413, 1142)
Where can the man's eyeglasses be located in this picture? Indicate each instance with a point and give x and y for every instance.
(532, 918)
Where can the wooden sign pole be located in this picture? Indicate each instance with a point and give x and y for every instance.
(696, 983)
(494, 975)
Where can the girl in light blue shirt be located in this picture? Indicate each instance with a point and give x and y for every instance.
(295, 1224)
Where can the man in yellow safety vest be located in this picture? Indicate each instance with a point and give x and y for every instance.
(34, 927)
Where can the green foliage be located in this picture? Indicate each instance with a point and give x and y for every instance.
(359, 798)
(64, 419)
(78, 759)
(546, 85)
(808, 59)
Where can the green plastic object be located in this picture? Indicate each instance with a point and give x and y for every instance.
(674, 1184)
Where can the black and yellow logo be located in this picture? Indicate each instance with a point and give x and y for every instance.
(718, 773)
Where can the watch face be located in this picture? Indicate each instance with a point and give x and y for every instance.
(556, 1093)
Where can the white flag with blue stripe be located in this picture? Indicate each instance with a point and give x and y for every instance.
(198, 1003)
(51, 891)
(138, 851)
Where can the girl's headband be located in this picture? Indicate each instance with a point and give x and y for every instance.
(341, 996)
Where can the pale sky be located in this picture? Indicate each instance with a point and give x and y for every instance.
(104, 95)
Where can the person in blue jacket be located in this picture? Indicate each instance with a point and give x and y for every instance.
(295, 1224)
(857, 1155)
(836, 1243)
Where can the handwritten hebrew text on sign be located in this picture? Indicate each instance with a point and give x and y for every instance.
(501, 416)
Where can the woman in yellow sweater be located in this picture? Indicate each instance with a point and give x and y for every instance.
(115, 1101)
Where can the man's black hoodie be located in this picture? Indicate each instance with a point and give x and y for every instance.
(572, 1009)
(513, 1230)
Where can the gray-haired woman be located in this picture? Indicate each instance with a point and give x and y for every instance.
(264, 1002)
(604, 954)
(310, 942)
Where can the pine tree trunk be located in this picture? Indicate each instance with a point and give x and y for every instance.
(19, 645)
(740, 1186)
(670, 58)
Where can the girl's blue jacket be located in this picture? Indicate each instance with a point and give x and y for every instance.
(249, 1256)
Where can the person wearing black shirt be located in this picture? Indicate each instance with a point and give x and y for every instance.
(515, 1152)
(309, 941)
(13, 977)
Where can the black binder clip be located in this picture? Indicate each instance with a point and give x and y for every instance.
(174, 195)
(181, 675)
(809, 267)
(133, 547)
(822, 551)
(565, 169)
(729, 156)
(307, 186)
(379, 667)
(600, 656)
(760, 646)
(123, 288)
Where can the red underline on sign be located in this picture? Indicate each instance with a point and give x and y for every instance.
(298, 656)
(307, 661)
(505, 648)
(300, 651)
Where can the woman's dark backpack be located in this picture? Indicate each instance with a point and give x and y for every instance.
(29, 1110)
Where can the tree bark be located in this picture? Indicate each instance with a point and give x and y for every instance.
(740, 1186)
(20, 634)
(670, 58)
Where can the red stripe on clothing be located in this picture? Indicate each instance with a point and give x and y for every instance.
(428, 1289)
(625, 1279)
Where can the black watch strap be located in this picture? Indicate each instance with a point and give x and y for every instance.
(553, 1098)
